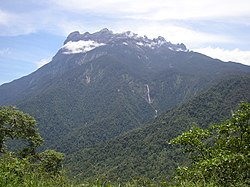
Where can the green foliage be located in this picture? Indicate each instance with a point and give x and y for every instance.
(15, 124)
(220, 157)
(93, 120)
(194, 142)
(27, 168)
(144, 152)
(19, 172)
(74, 113)
(220, 153)
(51, 161)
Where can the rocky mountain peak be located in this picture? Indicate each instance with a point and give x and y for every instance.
(105, 30)
(106, 37)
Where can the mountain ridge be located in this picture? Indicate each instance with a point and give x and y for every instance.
(89, 96)
(106, 36)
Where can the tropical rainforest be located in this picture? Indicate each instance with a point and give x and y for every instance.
(218, 155)
(126, 111)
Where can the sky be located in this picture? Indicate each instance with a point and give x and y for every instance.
(32, 31)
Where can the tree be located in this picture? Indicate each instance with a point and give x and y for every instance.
(27, 166)
(51, 161)
(220, 153)
(15, 124)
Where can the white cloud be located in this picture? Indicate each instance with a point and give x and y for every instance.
(5, 51)
(194, 9)
(12, 24)
(4, 17)
(161, 9)
(146, 17)
(173, 33)
(235, 55)
(55, 14)
(42, 62)
(140, 16)
(50, 20)
(80, 46)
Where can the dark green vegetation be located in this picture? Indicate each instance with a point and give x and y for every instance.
(220, 156)
(144, 151)
(26, 167)
(112, 109)
(15, 124)
(82, 99)
(221, 153)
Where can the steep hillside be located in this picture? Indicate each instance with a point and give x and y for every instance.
(101, 85)
(144, 151)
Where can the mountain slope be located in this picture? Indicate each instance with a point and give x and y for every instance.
(144, 151)
(101, 85)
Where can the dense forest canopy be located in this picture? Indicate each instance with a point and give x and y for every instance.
(111, 106)
(220, 155)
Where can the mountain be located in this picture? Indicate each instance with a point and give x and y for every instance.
(101, 85)
(145, 152)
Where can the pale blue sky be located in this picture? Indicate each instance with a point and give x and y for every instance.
(32, 31)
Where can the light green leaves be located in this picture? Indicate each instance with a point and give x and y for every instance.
(221, 153)
(15, 124)
(27, 168)
(51, 161)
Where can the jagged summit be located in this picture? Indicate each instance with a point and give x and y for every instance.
(101, 85)
(88, 41)
(105, 30)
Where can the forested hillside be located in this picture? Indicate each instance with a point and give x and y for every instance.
(114, 85)
(220, 156)
(111, 101)
(145, 152)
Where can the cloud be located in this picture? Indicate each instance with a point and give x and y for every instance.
(179, 21)
(235, 55)
(67, 15)
(195, 9)
(160, 9)
(4, 17)
(5, 51)
(170, 19)
(80, 46)
(174, 33)
(62, 17)
(12, 24)
(31, 21)
(42, 62)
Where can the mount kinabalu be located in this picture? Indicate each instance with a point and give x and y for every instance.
(101, 85)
